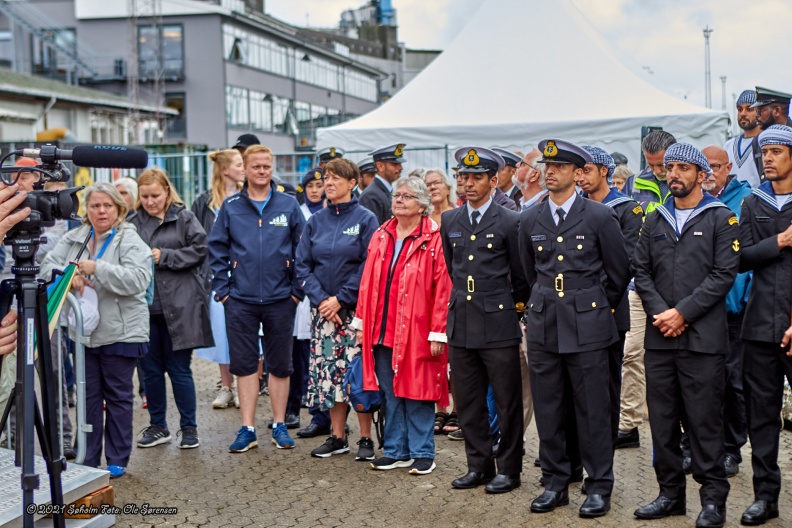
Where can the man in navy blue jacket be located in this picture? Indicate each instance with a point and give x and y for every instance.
(252, 248)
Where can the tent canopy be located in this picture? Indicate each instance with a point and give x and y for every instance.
(521, 71)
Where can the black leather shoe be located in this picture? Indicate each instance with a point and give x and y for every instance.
(595, 506)
(758, 512)
(292, 421)
(472, 480)
(549, 501)
(503, 484)
(627, 439)
(661, 507)
(313, 430)
(687, 465)
(537, 463)
(731, 465)
(711, 516)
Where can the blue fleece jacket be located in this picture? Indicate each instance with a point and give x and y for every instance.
(332, 252)
(732, 196)
(252, 254)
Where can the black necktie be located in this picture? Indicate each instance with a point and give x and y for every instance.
(474, 218)
(560, 213)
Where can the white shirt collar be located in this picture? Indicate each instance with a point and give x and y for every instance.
(566, 206)
(482, 209)
(384, 182)
(533, 199)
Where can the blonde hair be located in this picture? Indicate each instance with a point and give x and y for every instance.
(110, 190)
(222, 159)
(158, 176)
(255, 149)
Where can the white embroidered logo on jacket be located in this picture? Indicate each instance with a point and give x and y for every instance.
(280, 220)
(353, 231)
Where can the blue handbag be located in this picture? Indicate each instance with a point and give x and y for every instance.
(363, 401)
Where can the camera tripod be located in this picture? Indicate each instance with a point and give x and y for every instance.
(33, 334)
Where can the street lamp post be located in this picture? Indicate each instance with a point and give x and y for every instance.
(707, 80)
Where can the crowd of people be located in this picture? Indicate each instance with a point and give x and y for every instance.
(552, 285)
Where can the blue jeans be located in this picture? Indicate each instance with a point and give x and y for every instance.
(160, 359)
(409, 424)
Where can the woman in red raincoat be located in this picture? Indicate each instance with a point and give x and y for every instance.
(401, 322)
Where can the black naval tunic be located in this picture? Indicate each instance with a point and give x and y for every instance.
(691, 271)
(377, 199)
(483, 331)
(767, 316)
(569, 329)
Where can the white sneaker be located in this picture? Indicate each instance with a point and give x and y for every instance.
(236, 398)
(224, 398)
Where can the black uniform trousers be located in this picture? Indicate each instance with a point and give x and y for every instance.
(735, 428)
(684, 383)
(615, 360)
(473, 370)
(588, 375)
(764, 368)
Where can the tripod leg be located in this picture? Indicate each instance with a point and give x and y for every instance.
(25, 386)
(48, 430)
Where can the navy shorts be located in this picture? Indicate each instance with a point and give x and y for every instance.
(242, 328)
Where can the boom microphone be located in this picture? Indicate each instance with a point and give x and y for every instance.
(97, 156)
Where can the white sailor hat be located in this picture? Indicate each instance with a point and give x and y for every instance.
(478, 159)
(562, 151)
(392, 153)
(366, 165)
(329, 153)
(509, 158)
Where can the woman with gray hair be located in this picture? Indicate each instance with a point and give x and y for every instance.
(440, 187)
(401, 323)
(118, 270)
(128, 189)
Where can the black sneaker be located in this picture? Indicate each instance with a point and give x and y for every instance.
(332, 446)
(189, 437)
(154, 436)
(422, 466)
(366, 449)
(385, 463)
(263, 387)
(68, 451)
(70, 396)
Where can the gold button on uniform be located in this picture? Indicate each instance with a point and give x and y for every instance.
(469, 297)
(593, 305)
(489, 246)
(560, 294)
(539, 248)
(472, 237)
(500, 306)
(580, 246)
(470, 257)
(560, 257)
(560, 239)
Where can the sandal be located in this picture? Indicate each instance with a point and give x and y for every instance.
(452, 424)
(440, 420)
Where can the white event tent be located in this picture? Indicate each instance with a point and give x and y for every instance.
(520, 71)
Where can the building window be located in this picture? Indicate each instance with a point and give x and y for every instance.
(260, 111)
(176, 125)
(161, 52)
(237, 114)
(47, 60)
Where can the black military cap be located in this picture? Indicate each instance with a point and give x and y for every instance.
(478, 159)
(766, 96)
(245, 140)
(619, 158)
(367, 165)
(329, 153)
(561, 151)
(392, 153)
(509, 158)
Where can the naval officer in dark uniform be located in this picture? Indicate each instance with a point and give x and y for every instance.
(481, 251)
(685, 263)
(377, 196)
(568, 245)
(772, 108)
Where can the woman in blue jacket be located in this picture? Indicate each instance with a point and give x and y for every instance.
(329, 263)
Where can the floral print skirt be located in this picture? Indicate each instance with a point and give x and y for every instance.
(332, 348)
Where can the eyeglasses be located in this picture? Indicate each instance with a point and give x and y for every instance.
(434, 184)
(404, 197)
(716, 166)
(521, 163)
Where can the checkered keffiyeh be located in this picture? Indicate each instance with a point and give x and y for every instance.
(686, 153)
(601, 157)
(776, 135)
(747, 97)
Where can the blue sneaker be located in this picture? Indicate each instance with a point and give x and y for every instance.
(280, 437)
(246, 439)
(116, 471)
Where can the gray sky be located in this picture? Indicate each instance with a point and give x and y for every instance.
(750, 45)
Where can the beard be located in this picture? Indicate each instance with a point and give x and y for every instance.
(708, 186)
(683, 192)
(750, 125)
(764, 125)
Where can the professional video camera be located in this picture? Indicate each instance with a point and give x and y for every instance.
(31, 294)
